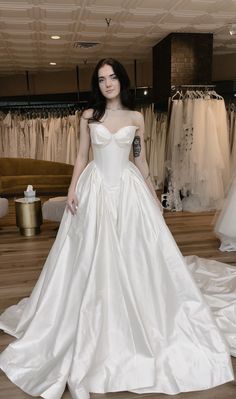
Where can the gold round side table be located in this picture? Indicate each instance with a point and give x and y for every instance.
(28, 216)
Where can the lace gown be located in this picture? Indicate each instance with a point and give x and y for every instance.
(115, 307)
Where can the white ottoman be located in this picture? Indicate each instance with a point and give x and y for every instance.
(53, 209)
(3, 207)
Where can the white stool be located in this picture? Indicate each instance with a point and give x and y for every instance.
(53, 209)
(3, 207)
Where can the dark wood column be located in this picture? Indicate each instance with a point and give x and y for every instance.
(181, 58)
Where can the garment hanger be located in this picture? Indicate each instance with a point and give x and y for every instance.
(213, 94)
(180, 93)
(232, 107)
(200, 93)
(191, 94)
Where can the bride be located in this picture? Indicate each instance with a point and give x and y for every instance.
(116, 307)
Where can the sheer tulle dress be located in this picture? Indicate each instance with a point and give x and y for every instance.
(116, 306)
(225, 227)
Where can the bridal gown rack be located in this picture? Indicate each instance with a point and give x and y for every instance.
(198, 153)
(41, 132)
(155, 143)
(51, 132)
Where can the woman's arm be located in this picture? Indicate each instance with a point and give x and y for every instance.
(140, 155)
(81, 160)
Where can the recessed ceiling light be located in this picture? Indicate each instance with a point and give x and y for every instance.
(55, 37)
(52, 63)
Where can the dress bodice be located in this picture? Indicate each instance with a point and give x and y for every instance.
(111, 150)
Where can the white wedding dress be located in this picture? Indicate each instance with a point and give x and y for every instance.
(115, 307)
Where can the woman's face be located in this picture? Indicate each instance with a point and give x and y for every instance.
(108, 82)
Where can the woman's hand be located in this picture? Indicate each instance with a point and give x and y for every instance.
(72, 202)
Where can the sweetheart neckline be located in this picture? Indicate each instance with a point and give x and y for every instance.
(117, 131)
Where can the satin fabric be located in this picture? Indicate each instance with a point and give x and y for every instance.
(115, 307)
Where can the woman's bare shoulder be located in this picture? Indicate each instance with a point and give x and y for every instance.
(137, 118)
(87, 113)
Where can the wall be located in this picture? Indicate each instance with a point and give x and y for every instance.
(65, 82)
(191, 58)
(181, 59)
(224, 67)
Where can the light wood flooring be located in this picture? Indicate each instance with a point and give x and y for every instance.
(22, 258)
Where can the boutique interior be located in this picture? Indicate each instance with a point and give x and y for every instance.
(181, 59)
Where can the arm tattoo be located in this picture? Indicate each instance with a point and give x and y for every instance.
(136, 146)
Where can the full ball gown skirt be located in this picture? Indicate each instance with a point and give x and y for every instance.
(115, 307)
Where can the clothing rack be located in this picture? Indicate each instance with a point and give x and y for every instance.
(194, 89)
(198, 85)
(43, 105)
(66, 99)
(43, 109)
(192, 86)
(45, 100)
(38, 106)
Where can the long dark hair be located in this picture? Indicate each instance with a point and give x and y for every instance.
(98, 101)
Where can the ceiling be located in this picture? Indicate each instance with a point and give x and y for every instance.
(135, 27)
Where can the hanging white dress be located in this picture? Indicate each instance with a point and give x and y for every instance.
(54, 127)
(175, 141)
(115, 307)
(1, 135)
(22, 139)
(57, 139)
(7, 124)
(198, 152)
(71, 141)
(147, 114)
(64, 123)
(27, 137)
(187, 165)
(39, 139)
(212, 191)
(32, 123)
(206, 165)
(153, 154)
(174, 154)
(233, 152)
(161, 149)
(77, 130)
(225, 227)
(220, 117)
(45, 128)
(14, 137)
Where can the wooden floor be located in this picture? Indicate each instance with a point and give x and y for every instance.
(22, 258)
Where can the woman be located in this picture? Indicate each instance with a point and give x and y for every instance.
(112, 106)
(115, 307)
